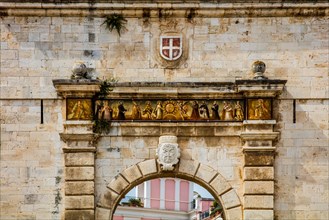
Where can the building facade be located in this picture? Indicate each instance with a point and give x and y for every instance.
(188, 101)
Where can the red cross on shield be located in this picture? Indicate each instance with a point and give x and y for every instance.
(171, 47)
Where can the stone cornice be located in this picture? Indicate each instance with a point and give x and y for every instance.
(161, 9)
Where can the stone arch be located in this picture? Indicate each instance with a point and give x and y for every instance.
(191, 170)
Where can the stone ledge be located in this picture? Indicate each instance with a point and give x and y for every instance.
(246, 136)
(175, 9)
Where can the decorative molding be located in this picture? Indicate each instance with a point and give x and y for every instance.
(247, 136)
(201, 9)
(85, 88)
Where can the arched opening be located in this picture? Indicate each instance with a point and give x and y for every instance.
(190, 170)
(167, 199)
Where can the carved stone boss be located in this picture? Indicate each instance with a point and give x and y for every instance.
(168, 152)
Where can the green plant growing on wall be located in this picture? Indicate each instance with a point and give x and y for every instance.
(101, 125)
(136, 202)
(115, 21)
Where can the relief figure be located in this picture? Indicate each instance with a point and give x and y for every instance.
(227, 112)
(238, 111)
(195, 111)
(147, 112)
(214, 111)
(121, 110)
(106, 112)
(158, 111)
(204, 111)
(80, 110)
(261, 112)
(136, 111)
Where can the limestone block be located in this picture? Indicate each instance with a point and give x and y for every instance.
(148, 167)
(258, 173)
(258, 214)
(79, 214)
(220, 184)
(79, 187)
(102, 213)
(234, 213)
(188, 167)
(132, 173)
(76, 159)
(205, 173)
(108, 199)
(79, 202)
(259, 158)
(258, 187)
(118, 184)
(258, 201)
(79, 173)
(230, 199)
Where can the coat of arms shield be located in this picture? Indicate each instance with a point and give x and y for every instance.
(171, 47)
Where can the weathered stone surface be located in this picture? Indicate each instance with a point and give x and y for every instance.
(79, 159)
(79, 173)
(258, 187)
(230, 199)
(79, 202)
(132, 173)
(79, 187)
(102, 213)
(148, 167)
(258, 173)
(79, 214)
(206, 173)
(259, 158)
(235, 213)
(188, 167)
(118, 184)
(220, 185)
(258, 214)
(108, 198)
(258, 201)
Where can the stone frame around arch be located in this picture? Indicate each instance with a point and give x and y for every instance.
(191, 170)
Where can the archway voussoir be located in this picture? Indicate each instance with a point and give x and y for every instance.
(103, 213)
(118, 184)
(220, 185)
(230, 199)
(148, 167)
(188, 167)
(132, 174)
(234, 213)
(108, 199)
(205, 173)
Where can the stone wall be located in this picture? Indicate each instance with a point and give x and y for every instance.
(35, 50)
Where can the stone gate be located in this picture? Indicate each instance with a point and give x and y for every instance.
(240, 174)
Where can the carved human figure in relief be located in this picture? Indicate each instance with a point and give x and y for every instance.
(158, 111)
(214, 111)
(121, 110)
(238, 111)
(106, 112)
(79, 111)
(261, 112)
(147, 112)
(195, 111)
(204, 111)
(227, 112)
(136, 111)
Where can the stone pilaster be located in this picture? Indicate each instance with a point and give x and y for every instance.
(79, 156)
(79, 151)
(258, 171)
